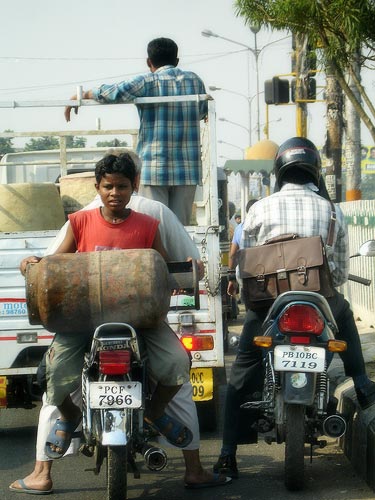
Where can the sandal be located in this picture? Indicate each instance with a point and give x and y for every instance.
(67, 426)
(173, 431)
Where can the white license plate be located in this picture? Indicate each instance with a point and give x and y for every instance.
(115, 395)
(289, 358)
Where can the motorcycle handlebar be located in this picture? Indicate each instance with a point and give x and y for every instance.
(358, 279)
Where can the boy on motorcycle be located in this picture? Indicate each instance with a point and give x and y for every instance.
(113, 226)
(300, 207)
(179, 247)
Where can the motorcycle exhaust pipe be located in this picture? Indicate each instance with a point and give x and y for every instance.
(156, 458)
(334, 426)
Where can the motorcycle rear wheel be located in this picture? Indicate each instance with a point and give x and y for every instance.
(117, 462)
(294, 447)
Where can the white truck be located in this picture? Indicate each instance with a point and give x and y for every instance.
(22, 345)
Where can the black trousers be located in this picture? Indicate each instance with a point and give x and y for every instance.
(246, 377)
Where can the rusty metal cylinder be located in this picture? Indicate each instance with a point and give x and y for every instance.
(77, 292)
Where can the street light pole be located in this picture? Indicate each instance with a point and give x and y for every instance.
(255, 29)
(234, 123)
(256, 52)
(249, 100)
(233, 146)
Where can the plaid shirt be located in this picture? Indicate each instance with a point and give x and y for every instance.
(169, 134)
(299, 209)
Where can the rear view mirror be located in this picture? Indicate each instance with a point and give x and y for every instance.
(367, 249)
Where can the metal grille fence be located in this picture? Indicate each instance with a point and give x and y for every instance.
(360, 217)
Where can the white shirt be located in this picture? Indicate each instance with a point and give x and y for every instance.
(176, 240)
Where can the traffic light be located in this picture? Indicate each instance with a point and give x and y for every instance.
(276, 91)
(308, 63)
(311, 90)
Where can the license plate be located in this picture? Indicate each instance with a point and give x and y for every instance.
(115, 395)
(3, 392)
(202, 381)
(299, 358)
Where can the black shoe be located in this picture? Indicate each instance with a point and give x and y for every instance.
(366, 395)
(227, 465)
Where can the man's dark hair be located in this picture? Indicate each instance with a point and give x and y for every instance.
(249, 204)
(112, 164)
(162, 51)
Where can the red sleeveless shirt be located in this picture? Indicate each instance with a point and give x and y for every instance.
(93, 233)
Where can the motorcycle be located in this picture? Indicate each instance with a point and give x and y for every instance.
(115, 391)
(296, 408)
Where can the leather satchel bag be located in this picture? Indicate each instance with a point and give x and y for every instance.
(286, 263)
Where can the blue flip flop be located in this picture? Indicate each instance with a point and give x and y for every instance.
(174, 431)
(30, 491)
(67, 426)
(216, 481)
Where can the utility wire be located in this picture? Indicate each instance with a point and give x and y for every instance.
(108, 78)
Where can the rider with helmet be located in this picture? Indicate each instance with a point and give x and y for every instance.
(300, 206)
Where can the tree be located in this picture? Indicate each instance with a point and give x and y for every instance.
(333, 143)
(115, 143)
(42, 144)
(338, 27)
(75, 142)
(6, 145)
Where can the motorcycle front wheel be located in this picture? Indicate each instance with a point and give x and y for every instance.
(294, 447)
(117, 462)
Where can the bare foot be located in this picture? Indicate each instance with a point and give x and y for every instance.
(204, 476)
(35, 481)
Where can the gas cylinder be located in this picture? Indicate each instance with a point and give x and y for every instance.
(80, 291)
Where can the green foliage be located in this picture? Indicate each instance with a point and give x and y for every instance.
(75, 142)
(337, 26)
(341, 29)
(115, 143)
(6, 144)
(42, 144)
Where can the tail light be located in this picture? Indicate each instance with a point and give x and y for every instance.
(301, 319)
(198, 342)
(337, 345)
(263, 341)
(114, 362)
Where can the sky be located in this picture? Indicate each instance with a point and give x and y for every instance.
(48, 48)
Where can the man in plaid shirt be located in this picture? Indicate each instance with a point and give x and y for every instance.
(169, 134)
(298, 208)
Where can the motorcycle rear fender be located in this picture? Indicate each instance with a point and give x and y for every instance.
(116, 425)
(299, 388)
(287, 299)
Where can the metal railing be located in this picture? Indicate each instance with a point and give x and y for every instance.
(360, 217)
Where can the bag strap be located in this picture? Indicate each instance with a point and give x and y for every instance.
(331, 228)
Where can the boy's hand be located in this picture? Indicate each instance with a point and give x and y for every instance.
(33, 259)
(68, 109)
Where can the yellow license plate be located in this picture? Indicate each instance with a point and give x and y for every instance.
(3, 392)
(203, 383)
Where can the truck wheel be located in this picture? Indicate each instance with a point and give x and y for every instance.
(225, 333)
(207, 415)
(209, 412)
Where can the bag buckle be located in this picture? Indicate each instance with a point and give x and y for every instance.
(302, 274)
(261, 281)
